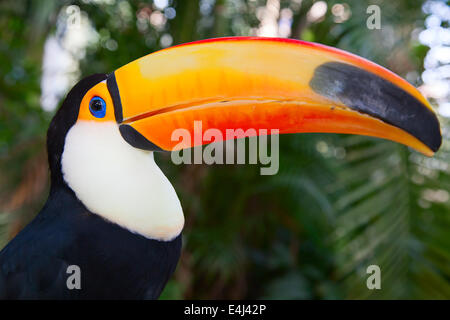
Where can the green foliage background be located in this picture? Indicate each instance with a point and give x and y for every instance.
(338, 204)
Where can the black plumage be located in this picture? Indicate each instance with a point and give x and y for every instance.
(114, 262)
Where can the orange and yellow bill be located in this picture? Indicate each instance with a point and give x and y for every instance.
(265, 83)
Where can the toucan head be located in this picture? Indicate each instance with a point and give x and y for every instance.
(102, 139)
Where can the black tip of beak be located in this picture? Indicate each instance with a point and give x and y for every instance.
(368, 93)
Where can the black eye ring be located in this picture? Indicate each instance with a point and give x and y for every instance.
(97, 106)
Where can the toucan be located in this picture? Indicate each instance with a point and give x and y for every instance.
(113, 215)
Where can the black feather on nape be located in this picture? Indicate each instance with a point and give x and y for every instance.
(64, 119)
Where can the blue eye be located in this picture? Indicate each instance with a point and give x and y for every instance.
(97, 106)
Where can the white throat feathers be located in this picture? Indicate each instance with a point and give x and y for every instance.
(120, 183)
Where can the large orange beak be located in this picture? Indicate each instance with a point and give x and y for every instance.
(266, 83)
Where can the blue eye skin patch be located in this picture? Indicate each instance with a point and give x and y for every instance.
(97, 107)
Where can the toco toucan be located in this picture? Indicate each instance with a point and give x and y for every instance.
(113, 215)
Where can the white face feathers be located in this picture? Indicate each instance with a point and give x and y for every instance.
(119, 182)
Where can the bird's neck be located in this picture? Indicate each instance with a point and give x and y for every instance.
(120, 183)
(59, 199)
